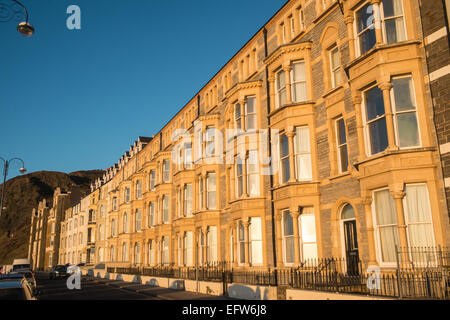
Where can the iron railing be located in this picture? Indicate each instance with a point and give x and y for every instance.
(408, 279)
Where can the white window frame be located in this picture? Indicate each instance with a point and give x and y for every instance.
(278, 90)
(293, 82)
(283, 236)
(210, 191)
(355, 28)
(384, 19)
(298, 153)
(335, 69)
(339, 146)
(152, 180)
(247, 114)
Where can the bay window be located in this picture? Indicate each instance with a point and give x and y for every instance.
(188, 155)
(341, 145)
(405, 112)
(165, 250)
(302, 153)
(166, 171)
(250, 113)
(237, 116)
(127, 194)
(298, 81)
(138, 220)
(210, 142)
(308, 241)
(211, 190)
(375, 120)
(139, 189)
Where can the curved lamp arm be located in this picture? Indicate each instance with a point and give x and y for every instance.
(24, 9)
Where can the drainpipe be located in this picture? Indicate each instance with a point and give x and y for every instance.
(270, 156)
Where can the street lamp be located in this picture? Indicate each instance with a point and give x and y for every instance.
(24, 28)
(5, 173)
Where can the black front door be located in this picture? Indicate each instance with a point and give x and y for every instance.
(351, 247)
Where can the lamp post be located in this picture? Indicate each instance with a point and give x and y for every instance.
(24, 28)
(5, 173)
(9, 12)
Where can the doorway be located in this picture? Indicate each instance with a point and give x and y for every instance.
(351, 240)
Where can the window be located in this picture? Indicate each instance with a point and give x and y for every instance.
(112, 254)
(137, 253)
(152, 180)
(188, 155)
(101, 234)
(165, 207)
(211, 190)
(113, 228)
(166, 171)
(375, 120)
(102, 211)
(210, 150)
(200, 247)
(292, 27)
(139, 189)
(393, 21)
(199, 143)
(283, 33)
(188, 200)
(151, 252)
(298, 80)
(53, 227)
(335, 66)
(252, 173)
(307, 225)
(138, 219)
(239, 177)
(386, 225)
(301, 19)
(255, 241)
(281, 88)
(241, 240)
(418, 220)
(151, 214)
(288, 237)
(407, 128)
(237, 116)
(302, 153)
(127, 194)
(365, 28)
(285, 173)
(114, 204)
(341, 144)
(165, 250)
(179, 201)
(211, 252)
(125, 223)
(200, 192)
(250, 113)
(188, 256)
(125, 252)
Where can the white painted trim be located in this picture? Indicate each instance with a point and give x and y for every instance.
(447, 182)
(435, 36)
(440, 73)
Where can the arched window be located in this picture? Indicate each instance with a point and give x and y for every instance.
(112, 254)
(347, 212)
(125, 252)
(138, 219)
(113, 228)
(100, 255)
(151, 252)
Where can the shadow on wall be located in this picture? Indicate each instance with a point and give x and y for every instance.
(243, 292)
(152, 283)
(137, 279)
(177, 285)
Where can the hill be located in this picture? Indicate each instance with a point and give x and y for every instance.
(22, 194)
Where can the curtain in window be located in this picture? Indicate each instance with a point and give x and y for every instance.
(307, 223)
(137, 253)
(386, 220)
(211, 190)
(188, 200)
(212, 244)
(138, 219)
(298, 77)
(250, 111)
(151, 252)
(418, 217)
(253, 173)
(256, 253)
(393, 21)
(303, 153)
(408, 129)
(188, 249)
(165, 250)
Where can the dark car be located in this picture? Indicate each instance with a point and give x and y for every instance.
(59, 271)
(16, 287)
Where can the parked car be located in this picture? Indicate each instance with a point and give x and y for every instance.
(1, 269)
(59, 271)
(21, 264)
(15, 286)
(29, 275)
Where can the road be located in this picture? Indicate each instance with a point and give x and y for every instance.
(90, 290)
(102, 289)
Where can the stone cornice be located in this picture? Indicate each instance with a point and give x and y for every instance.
(287, 48)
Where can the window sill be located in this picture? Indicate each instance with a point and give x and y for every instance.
(333, 90)
(340, 175)
(288, 184)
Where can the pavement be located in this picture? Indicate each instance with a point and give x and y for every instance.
(104, 289)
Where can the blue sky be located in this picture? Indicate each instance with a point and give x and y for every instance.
(76, 99)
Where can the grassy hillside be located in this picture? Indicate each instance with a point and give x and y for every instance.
(22, 195)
